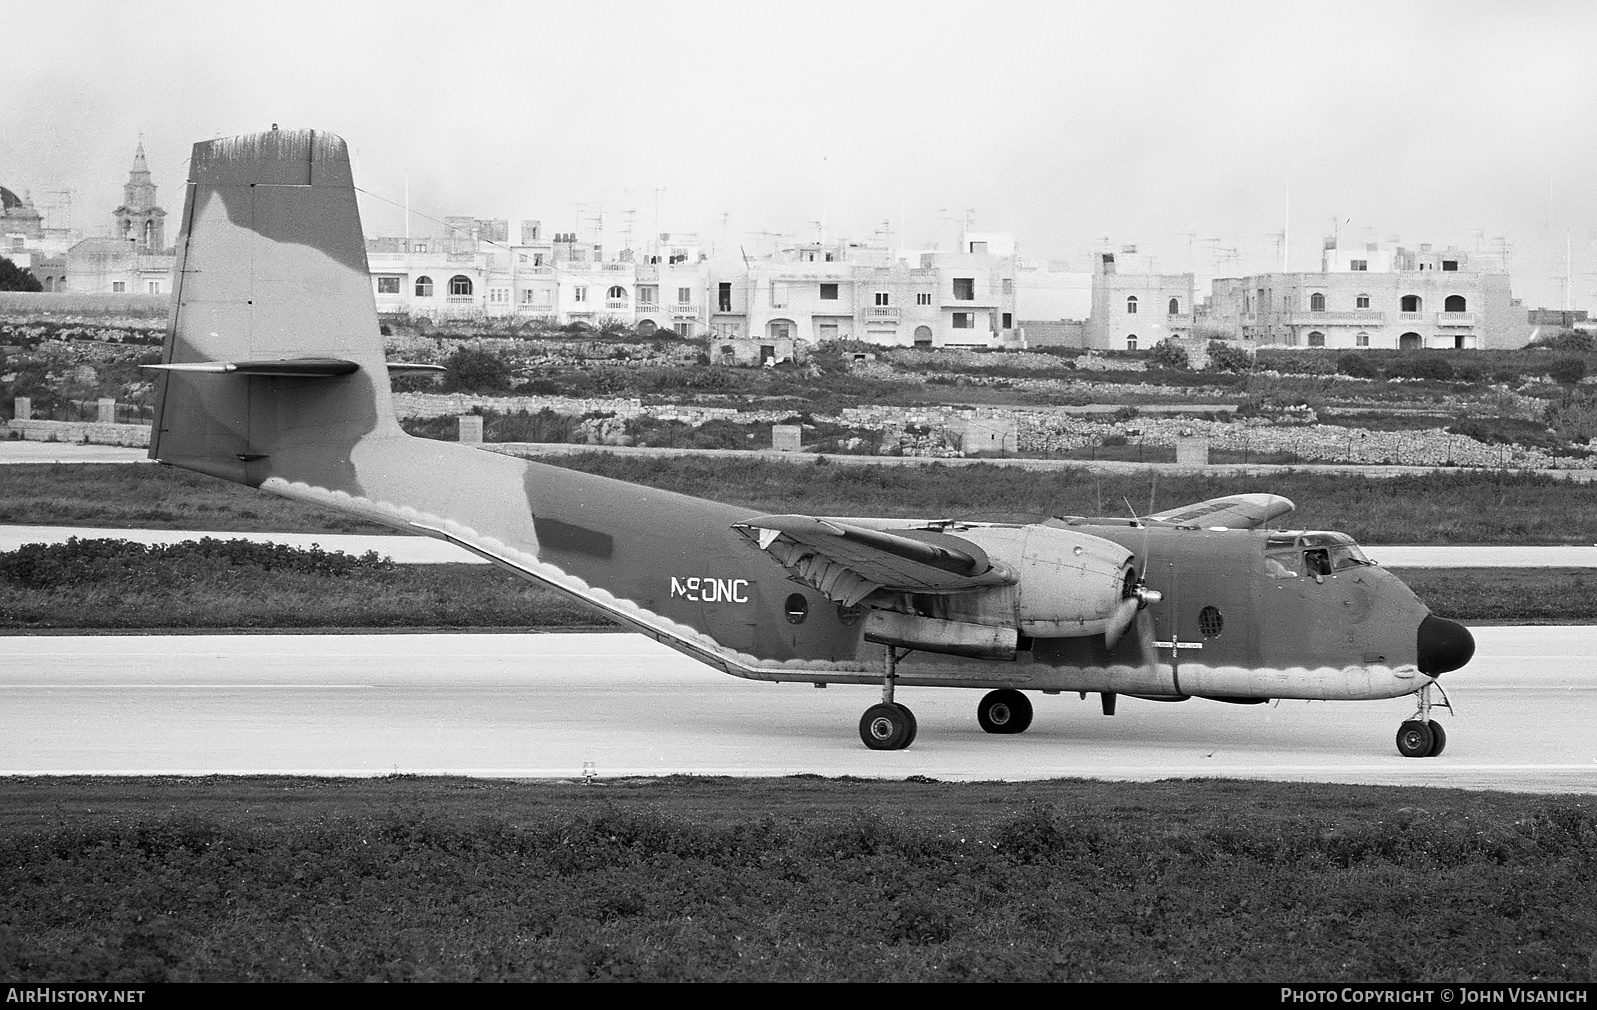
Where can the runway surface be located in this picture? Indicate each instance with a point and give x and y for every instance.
(408, 550)
(547, 705)
(69, 452)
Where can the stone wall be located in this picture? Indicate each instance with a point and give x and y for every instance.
(447, 404)
(137, 435)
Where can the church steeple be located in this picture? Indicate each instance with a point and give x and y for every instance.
(140, 220)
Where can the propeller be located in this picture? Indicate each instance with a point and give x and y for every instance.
(1136, 596)
(1136, 593)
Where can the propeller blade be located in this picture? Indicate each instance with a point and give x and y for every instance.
(1124, 614)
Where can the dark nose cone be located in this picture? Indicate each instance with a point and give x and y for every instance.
(1443, 645)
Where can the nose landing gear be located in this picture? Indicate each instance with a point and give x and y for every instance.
(1422, 736)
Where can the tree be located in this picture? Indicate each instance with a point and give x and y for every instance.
(14, 278)
(1567, 371)
(1357, 366)
(1227, 357)
(475, 370)
(1168, 355)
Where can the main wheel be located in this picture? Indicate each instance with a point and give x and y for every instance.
(887, 727)
(1438, 739)
(1415, 739)
(1004, 711)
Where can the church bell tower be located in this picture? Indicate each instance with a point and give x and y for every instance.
(139, 220)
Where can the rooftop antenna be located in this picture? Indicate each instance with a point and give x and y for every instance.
(1286, 229)
(656, 241)
(65, 201)
(1568, 274)
(824, 184)
(1280, 245)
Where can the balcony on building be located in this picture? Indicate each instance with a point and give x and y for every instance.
(883, 313)
(1362, 317)
(685, 309)
(1455, 319)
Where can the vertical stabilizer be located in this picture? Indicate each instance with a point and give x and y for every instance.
(271, 266)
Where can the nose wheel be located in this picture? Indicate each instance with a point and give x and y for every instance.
(1423, 736)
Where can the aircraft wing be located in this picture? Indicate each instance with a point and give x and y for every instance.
(849, 562)
(1234, 511)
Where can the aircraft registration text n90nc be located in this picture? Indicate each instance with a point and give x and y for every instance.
(708, 590)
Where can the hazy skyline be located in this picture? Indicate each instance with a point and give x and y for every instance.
(1178, 127)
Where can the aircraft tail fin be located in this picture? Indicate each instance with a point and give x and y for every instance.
(273, 352)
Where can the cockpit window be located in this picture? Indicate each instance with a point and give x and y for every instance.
(1283, 564)
(1289, 555)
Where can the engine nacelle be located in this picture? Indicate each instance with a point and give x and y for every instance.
(1068, 584)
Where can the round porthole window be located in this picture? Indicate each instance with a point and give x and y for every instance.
(797, 608)
(1210, 623)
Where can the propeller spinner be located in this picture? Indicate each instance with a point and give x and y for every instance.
(1135, 596)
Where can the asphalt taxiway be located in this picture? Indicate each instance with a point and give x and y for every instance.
(620, 705)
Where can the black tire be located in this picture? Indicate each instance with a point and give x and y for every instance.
(914, 727)
(1004, 711)
(1438, 739)
(887, 727)
(1415, 739)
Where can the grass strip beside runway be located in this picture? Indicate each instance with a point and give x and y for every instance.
(115, 585)
(791, 879)
(1451, 508)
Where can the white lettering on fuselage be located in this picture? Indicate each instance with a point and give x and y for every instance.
(702, 590)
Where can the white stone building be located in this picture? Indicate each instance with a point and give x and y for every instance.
(1374, 296)
(1134, 308)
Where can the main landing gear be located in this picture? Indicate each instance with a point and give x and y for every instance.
(888, 726)
(1004, 711)
(1422, 736)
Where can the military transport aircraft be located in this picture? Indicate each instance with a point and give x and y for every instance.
(273, 375)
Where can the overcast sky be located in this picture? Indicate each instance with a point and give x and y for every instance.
(1178, 127)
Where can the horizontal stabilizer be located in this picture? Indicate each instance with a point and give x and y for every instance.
(409, 368)
(302, 368)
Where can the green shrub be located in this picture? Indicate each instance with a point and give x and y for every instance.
(1228, 357)
(1357, 366)
(1576, 420)
(1504, 431)
(1568, 371)
(1168, 355)
(1433, 367)
(15, 278)
(1569, 341)
(80, 562)
(475, 370)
